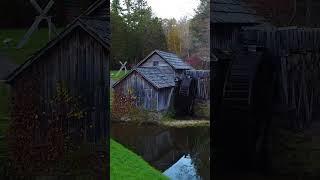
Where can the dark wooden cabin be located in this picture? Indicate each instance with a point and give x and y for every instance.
(235, 68)
(78, 59)
(153, 80)
(256, 86)
(227, 19)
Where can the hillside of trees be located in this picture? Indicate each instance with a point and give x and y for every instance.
(136, 31)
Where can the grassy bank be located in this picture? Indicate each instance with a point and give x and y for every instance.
(114, 76)
(127, 165)
(37, 40)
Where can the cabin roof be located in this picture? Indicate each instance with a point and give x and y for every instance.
(156, 77)
(233, 11)
(95, 7)
(153, 75)
(97, 27)
(172, 59)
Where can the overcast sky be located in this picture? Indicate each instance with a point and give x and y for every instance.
(173, 8)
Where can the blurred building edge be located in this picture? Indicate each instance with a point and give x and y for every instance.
(78, 59)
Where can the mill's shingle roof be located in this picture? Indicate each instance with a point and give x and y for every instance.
(156, 77)
(173, 60)
(160, 77)
(232, 11)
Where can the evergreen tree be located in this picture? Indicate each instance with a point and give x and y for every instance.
(135, 31)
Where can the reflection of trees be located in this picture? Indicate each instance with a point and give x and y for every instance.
(164, 147)
(200, 153)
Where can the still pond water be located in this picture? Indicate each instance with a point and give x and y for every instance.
(180, 153)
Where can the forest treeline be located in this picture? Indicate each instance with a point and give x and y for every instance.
(136, 31)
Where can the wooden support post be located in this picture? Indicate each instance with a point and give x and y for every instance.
(123, 66)
(34, 26)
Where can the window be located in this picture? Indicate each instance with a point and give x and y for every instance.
(155, 63)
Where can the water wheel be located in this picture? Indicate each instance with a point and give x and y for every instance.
(244, 98)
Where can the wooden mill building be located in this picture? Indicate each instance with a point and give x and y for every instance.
(78, 59)
(227, 19)
(259, 71)
(153, 80)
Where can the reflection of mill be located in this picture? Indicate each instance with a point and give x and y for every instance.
(155, 145)
(160, 147)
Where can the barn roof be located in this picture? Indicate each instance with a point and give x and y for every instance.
(156, 77)
(233, 11)
(172, 59)
(153, 75)
(97, 7)
(96, 27)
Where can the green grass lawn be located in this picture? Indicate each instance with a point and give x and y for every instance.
(127, 165)
(113, 75)
(37, 40)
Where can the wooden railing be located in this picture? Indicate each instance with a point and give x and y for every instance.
(203, 83)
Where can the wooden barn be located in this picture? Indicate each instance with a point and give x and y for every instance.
(264, 81)
(153, 80)
(227, 19)
(78, 60)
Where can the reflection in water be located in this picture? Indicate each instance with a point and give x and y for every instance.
(163, 148)
(183, 169)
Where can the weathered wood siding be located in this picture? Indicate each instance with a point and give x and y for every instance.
(146, 94)
(224, 36)
(165, 98)
(153, 58)
(148, 97)
(203, 83)
(82, 69)
(280, 41)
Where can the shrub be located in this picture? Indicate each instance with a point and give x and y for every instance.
(137, 114)
(122, 105)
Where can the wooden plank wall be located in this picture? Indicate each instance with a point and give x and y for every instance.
(165, 98)
(203, 82)
(283, 40)
(224, 37)
(83, 70)
(298, 49)
(146, 94)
